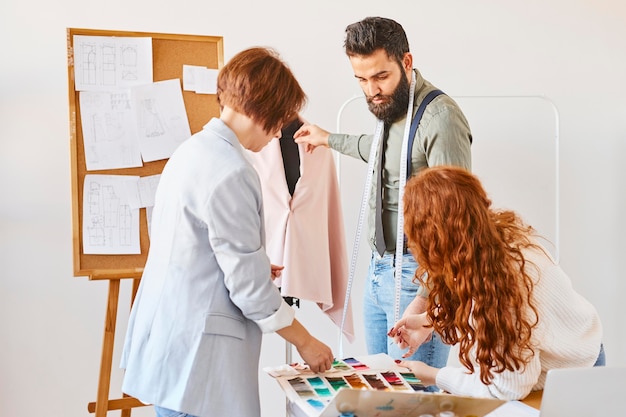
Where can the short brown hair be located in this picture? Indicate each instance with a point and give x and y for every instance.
(257, 83)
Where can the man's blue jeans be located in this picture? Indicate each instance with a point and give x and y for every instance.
(378, 310)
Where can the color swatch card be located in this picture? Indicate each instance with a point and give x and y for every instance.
(313, 392)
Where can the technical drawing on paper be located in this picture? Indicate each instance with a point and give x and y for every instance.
(109, 65)
(129, 62)
(150, 119)
(90, 67)
(105, 63)
(109, 130)
(88, 63)
(109, 225)
(110, 220)
(162, 119)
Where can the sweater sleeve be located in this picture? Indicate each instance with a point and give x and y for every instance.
(508, 385)
(568, 335)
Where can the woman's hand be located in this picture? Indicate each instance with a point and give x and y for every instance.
(316, 354)
(276, 271)
(411, 332)
(426, 374)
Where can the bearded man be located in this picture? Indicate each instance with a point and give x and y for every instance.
(417, 122)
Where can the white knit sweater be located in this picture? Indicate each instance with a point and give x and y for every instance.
(568, 335)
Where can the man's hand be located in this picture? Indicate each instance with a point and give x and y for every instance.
(312, 136)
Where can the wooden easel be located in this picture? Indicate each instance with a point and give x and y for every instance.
(169, 53)
(103, 403)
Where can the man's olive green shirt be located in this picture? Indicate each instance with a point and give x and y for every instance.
(442, 138)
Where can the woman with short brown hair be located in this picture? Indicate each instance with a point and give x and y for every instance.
(206, 295)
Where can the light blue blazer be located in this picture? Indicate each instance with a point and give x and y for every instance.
(194, 334)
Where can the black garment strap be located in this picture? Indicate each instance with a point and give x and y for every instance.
(414, 125)
(291, 154)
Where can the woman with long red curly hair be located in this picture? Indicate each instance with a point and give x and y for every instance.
(493, 289)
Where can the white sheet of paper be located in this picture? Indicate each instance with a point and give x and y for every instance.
(104, 63)
(110, 226)
(109, 130)
(190, 77)
(141, 192)
(207, 81)
(201, 80)
(514, 409)
(160, 112)
(149, 210)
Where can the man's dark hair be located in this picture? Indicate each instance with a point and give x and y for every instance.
(373, 33)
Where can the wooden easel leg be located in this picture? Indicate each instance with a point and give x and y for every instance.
(126, 411)
(133, 294)
(106, 361)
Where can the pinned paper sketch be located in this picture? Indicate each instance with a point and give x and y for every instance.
(162, 119)
(103, 63)
(110, 225)
(198, 79)
(141, 192)
(109, 130)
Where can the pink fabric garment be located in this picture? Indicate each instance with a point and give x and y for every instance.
(305, 232)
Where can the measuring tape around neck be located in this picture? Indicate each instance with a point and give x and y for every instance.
(371, 167)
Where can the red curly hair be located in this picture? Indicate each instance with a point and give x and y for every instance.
(471, 259)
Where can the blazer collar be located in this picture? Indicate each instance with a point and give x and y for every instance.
(219, 128)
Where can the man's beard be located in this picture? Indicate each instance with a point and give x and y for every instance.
(396, 106)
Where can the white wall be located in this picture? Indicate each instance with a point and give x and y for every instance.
(51, 323)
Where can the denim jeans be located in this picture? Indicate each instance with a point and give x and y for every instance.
(601, 361)
(378, 310)
(165, 412)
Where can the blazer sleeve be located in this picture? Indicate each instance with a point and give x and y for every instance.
(236, 233)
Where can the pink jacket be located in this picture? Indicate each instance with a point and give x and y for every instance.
(305, 232)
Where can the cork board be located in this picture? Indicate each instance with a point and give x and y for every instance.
(170, 53)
